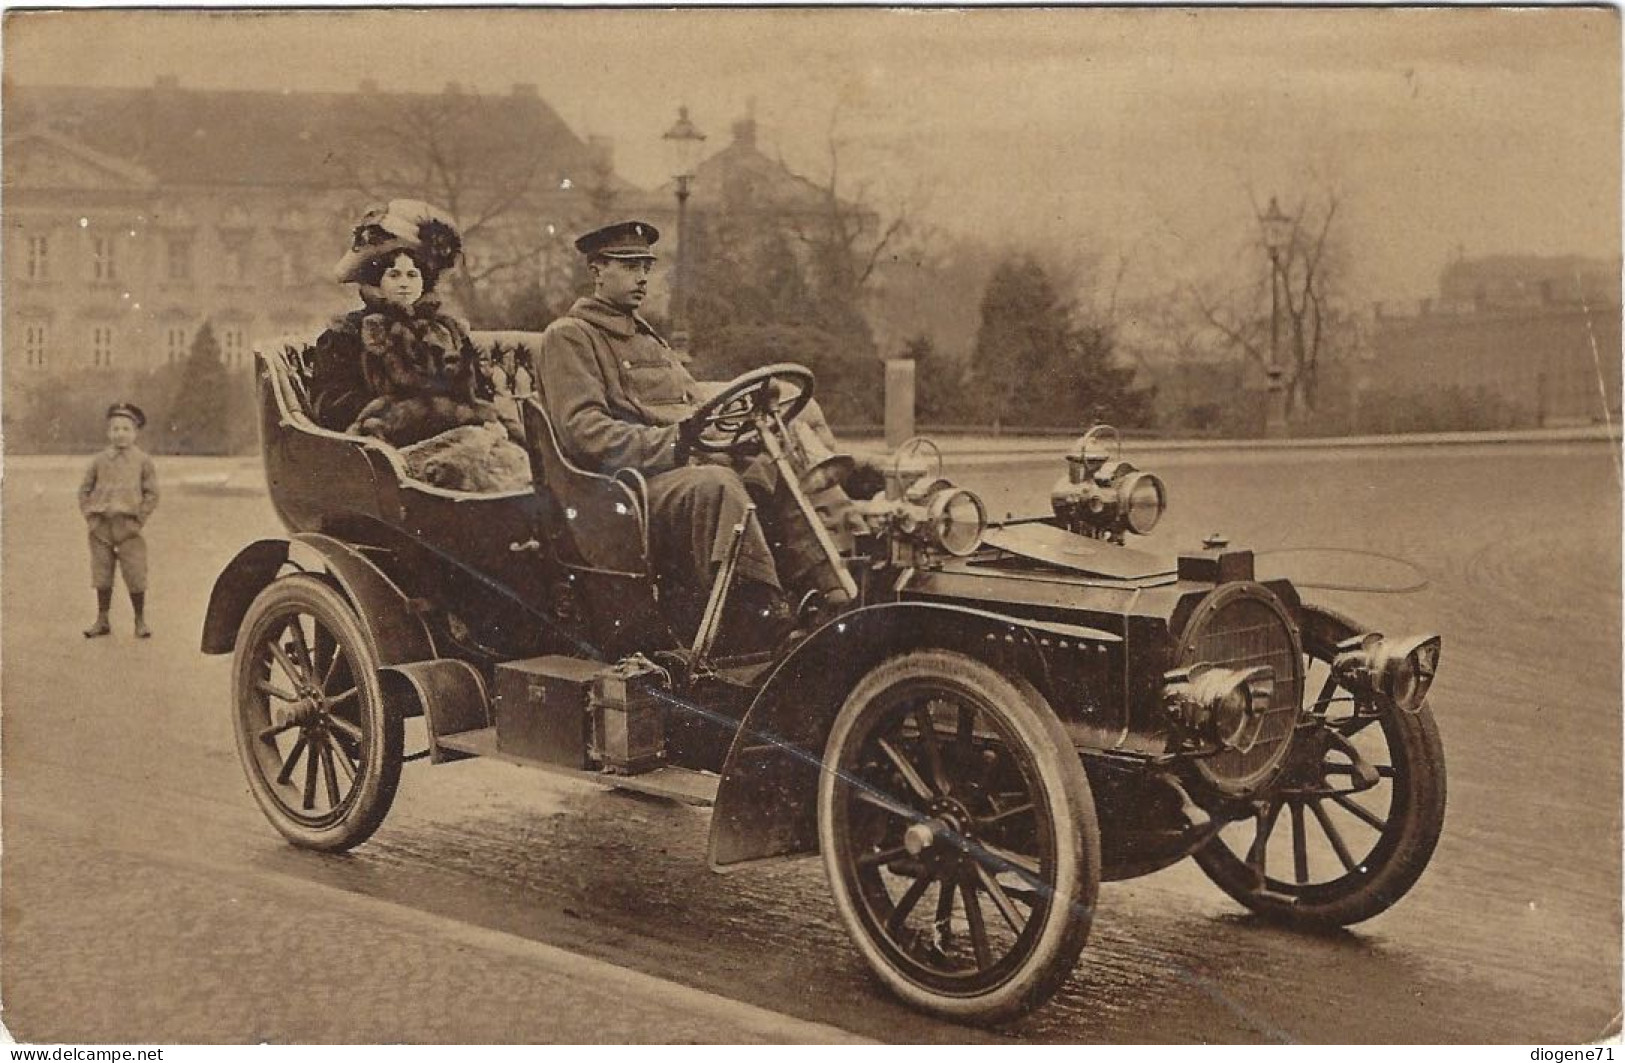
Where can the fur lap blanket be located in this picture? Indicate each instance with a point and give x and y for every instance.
(477, 458)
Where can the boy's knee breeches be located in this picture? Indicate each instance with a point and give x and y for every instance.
(115, 539)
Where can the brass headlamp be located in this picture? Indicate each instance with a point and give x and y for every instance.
(1220, 706)
(1400, 671)
(1102, 495)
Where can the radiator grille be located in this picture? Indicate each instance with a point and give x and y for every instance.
(1242, 626)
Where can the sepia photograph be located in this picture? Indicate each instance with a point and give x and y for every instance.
(808, 525)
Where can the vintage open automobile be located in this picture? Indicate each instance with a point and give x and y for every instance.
(1011, 713)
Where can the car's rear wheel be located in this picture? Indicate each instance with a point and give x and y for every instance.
(320, 745)
(1356, 815)
(959, 836)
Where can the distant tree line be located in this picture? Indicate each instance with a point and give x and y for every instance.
(197, 406)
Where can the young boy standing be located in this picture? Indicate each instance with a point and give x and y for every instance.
(118, 494)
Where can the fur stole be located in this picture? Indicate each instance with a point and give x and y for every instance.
(415, 351)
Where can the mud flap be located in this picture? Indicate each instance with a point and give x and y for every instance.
(451, 695)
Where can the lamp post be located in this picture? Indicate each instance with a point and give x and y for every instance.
(684, 143)
(1277, 232)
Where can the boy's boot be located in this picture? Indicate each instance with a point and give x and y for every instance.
(104, 602)
(138, 602)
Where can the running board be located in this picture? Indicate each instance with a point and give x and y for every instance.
(675, 784)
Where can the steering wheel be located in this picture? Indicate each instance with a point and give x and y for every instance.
(727, 420)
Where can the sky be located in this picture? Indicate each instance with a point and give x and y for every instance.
(1145, 134)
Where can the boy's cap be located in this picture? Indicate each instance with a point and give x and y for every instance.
(626, 239)
(127, 409)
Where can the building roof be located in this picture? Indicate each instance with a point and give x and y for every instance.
(214, 137)
(1494, 280)
(742, 176)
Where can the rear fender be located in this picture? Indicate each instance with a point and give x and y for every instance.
(397, 634)
(394, 631)
(255, 566)
(766, 804)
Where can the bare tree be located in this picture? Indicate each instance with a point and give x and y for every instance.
(479, 159)
(847, 236)
(1299, 286)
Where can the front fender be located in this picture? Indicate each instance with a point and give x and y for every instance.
(766, 801)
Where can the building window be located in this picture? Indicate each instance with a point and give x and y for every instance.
(178, 258)
(37, 258)
(236, 263)
(176, 344)
(101, 346)
(36, 345)
(103, 261)
(290, 265)
(232, 346)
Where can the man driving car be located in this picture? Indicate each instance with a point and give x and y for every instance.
(619, 398)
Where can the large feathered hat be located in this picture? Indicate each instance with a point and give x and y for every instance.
(402, 225)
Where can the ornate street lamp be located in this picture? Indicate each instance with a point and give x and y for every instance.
(1277, 228)
(684, 143)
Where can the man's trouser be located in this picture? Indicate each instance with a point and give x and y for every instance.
(692, 514)
(115, 538)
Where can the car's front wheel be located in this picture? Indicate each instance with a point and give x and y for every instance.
(1358, 811)
(959, 836)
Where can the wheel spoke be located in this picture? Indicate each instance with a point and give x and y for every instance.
(1300, 845)
(350, 730)
(282, 659)
(1266, 825)
(265, 686)
(339, 699)
(881, 856)
(1333, 836)
(945, 912)
(1028, 897)
(926, 722)
(1360, 812)
(326, 649)
(311, 756)
(1384, 771)
(1013, 861)
(332, 666)
(906, 903)
(302, 646)
(286, 773)
(1009, 813)
(978, 929)
(343, 759)
(275, 729)
(1001, 900)
(1327, 690)
(332, 774)
(905, 769)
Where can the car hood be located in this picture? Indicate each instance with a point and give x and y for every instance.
(1057, 547)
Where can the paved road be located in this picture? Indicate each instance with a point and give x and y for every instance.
(146, 900)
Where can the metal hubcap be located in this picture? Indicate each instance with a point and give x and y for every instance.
(921, 836)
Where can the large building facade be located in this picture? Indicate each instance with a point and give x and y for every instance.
(134, 215)
(1541, 334)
